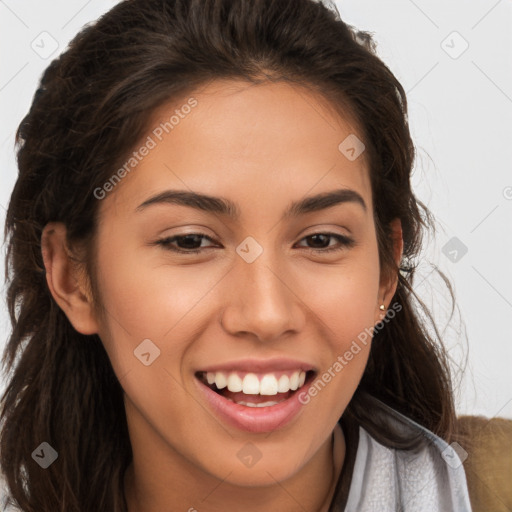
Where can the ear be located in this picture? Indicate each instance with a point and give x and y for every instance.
(67, 285)
(389, 283)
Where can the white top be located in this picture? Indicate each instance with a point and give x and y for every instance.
(431, 479)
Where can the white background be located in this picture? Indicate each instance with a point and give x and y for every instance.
(460, 115)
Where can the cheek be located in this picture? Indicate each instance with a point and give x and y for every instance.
(345, 297)
(142, 291)
(345, 348)
(144, 301)
(151, 316)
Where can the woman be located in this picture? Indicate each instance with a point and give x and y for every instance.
(211, 247)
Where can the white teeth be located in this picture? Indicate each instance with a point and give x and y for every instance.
(250, 384)
(268, 385)
(284, 384)
(294, 381)
(234, 383)
(220, 380)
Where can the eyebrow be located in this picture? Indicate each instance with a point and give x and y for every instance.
(230, 209)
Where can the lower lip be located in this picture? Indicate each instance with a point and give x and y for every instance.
(254, 419)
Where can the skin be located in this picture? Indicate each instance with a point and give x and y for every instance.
(261, 147)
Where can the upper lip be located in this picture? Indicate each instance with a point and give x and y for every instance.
(259, 365)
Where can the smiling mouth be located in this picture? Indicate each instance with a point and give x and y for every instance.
(253, 390)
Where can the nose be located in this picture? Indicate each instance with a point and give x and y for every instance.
(262, 300)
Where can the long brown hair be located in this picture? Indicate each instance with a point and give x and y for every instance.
(93, 104)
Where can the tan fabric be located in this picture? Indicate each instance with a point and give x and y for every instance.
(488, 466)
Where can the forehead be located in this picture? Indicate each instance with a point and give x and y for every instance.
(233, 138)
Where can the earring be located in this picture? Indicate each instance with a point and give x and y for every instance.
(382, 307)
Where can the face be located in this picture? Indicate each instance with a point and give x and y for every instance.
(244, 290)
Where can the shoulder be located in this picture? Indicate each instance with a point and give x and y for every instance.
(488, 464)
(417, 472)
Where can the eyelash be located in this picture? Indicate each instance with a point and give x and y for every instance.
(345, 242)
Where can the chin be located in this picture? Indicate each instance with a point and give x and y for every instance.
(261, 474)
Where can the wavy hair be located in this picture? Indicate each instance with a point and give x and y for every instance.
(93, 104)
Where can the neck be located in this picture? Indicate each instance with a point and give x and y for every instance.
(189, 489)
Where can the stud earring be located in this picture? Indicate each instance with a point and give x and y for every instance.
(382, 307)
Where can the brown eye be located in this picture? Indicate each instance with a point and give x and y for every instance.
(189, 243)
(320, 242)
